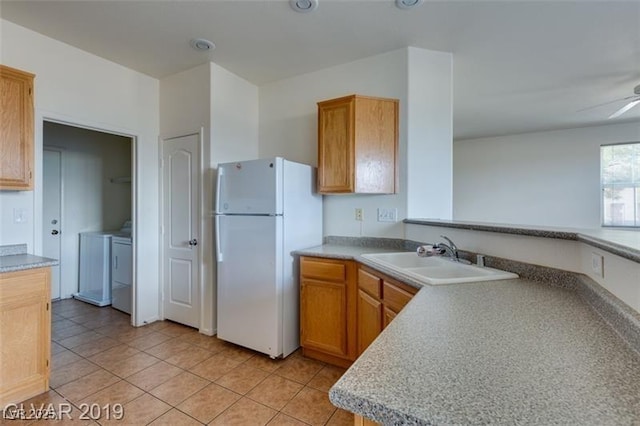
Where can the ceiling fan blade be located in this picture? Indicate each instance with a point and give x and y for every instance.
(625, 108)
(607, 103)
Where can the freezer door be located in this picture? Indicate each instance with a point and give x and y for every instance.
(250, 187)
(250, 281)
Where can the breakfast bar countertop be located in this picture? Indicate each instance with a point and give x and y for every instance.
(505, 352)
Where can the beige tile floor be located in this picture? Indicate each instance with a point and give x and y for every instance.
(169, 374)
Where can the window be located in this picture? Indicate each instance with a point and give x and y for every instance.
(620, 177)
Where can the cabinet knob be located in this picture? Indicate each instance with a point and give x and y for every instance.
(55, 232)
(193, 242)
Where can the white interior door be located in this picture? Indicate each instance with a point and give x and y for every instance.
(52, 201)
(181, 252)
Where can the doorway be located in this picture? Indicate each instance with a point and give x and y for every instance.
(94, 193)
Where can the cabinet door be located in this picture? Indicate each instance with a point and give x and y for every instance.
(336, 146)
(16, 129)
(323, 316)
(376, 141)
(25, 334)
(369, 320)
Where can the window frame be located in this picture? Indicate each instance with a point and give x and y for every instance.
(635, 186)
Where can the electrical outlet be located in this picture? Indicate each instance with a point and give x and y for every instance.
(387, 215)
(359, 214)
(597, 264)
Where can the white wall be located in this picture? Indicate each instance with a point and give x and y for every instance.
(288, 128)
(430, 134)
(91, 202)
(74, 86)
(225, 107)
(234, 117)
(621, 276)
(544, 178)
(288, 125)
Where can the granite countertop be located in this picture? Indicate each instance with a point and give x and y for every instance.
(15, 258)
(623, 242)
(506, 352)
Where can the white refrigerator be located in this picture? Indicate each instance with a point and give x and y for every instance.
(265, 209)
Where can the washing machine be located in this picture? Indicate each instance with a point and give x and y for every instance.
(95, 268)
(96, 265)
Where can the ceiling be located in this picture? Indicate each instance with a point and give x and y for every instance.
(519, 66)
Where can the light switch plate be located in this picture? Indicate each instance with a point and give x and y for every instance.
(19, 215)
(387, 215)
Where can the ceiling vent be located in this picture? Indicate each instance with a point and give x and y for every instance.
(202, 45)
(408, 4)
(304, 6)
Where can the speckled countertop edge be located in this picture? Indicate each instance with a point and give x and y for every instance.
(15, 258)
(621, 250)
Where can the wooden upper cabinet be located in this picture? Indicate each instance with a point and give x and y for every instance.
(16, 129)
(357, 145)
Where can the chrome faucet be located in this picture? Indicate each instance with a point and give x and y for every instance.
(450, 250)
(441, 249)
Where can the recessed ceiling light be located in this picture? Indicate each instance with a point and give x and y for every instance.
(202, 45)
(303, 6)
(408, 4)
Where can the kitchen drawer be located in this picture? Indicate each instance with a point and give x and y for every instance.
(324, 269)
(395, 297)
(369, 283)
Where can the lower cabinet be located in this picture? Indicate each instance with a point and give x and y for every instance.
(344, 306)
(380, 298)
(327, 310)
(25, 334)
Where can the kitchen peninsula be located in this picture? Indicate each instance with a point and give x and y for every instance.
(529, 350)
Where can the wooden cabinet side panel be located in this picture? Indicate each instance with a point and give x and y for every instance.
(376, 144)
(16, 129)
(369, 320)
(323, 316)
(25, 333)
(336, 146)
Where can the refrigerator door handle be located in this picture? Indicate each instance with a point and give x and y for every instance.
(218, 248)
(218, 187)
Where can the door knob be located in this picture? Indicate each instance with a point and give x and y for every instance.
(55, 232)
(193, 242)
